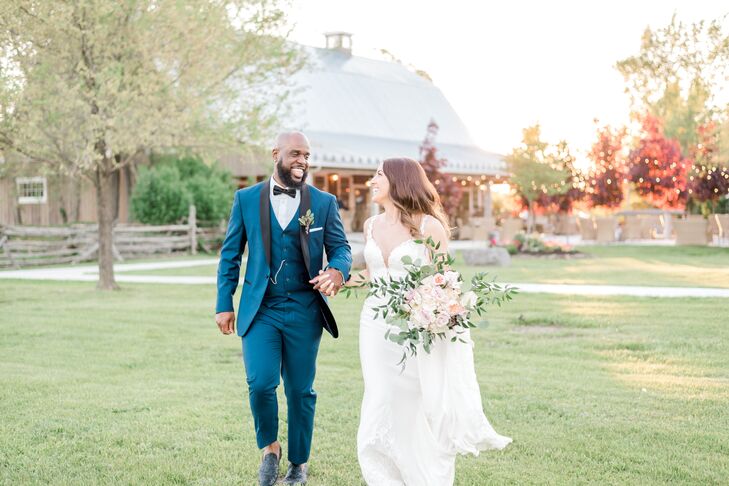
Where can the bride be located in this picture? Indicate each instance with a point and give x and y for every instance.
(413, 421)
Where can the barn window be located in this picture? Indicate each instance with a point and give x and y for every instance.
(32, 190)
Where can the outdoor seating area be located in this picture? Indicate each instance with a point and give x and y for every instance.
(646, 226)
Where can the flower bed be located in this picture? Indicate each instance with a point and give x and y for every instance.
(533, 245)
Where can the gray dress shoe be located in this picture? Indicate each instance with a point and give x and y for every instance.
(268, 472)
(296, 474)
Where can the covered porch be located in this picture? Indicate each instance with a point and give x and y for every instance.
(351, 188)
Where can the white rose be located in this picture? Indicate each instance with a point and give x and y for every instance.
(439, 294)
(468, 300)
(452, 278)
(422, 318)
(440, 324)
(426, 289)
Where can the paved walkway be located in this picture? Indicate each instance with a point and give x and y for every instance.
(89, 273)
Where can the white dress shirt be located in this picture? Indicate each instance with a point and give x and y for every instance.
(284, 206)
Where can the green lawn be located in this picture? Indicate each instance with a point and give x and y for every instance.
(138, 387)
(618, 265)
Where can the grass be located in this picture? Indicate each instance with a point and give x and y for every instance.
(616, 265)
(138, 387)
(628, 265)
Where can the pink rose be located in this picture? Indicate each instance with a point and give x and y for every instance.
(439, 279)
(455, 308)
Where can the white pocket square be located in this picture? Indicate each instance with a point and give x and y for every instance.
(312, 230)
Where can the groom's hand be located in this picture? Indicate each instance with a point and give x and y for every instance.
(328, 282)
(225, 322)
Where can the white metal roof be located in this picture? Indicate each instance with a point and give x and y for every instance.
(358, 111)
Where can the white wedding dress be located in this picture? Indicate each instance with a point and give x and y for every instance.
(414, 422)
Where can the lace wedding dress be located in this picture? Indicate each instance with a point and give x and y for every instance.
(414, 422)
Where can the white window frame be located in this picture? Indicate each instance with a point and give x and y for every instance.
(19, 181)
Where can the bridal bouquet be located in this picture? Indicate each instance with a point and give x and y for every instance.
(430, 304)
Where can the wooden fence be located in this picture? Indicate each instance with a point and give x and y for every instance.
(23, 246)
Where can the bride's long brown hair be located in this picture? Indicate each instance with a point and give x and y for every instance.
(412, 193)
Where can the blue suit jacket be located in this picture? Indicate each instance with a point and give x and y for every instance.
(250, 224)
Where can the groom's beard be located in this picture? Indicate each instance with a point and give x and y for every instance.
(285, 176)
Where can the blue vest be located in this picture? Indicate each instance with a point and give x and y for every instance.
(288, 271)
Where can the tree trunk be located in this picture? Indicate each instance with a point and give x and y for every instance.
(530, 218)
(104, 207)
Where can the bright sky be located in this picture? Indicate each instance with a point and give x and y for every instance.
(505, 65)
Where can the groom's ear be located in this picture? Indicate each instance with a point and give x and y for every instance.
(274, 152)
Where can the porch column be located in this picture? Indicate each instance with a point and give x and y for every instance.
(488, 215)
(351, 200)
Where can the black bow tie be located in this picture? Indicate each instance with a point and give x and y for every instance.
(291, 191)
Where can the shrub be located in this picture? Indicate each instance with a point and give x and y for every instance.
(212, 196)
(159, 196)
(210, 189)
(534, 245)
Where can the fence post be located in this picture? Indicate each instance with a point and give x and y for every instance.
(5, 250)
(192, 222)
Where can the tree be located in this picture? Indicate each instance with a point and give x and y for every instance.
(86, 86)
(604, 185)
(450, 192)
(535, 170)
(709, 175)
(563, 198)
(657, 168)
(678, 74)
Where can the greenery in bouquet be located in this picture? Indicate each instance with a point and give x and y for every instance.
(429, 303)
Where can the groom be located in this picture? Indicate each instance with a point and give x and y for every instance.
(287, 225)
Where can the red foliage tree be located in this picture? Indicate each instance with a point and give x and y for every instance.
(657, 167)
(450, 192)
(605, 180)
(709, 176)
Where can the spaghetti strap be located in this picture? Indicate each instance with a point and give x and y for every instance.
(422, 224)
(369, 227)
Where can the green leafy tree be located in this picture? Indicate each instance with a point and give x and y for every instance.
(709, 176)
(678, 75)
(536, 171)
(86, 86)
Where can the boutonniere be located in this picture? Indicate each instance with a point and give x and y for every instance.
(307, 220)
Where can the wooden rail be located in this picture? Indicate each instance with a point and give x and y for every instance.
(23, 246)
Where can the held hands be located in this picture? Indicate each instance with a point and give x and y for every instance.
(225, 322)
(328, 282)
